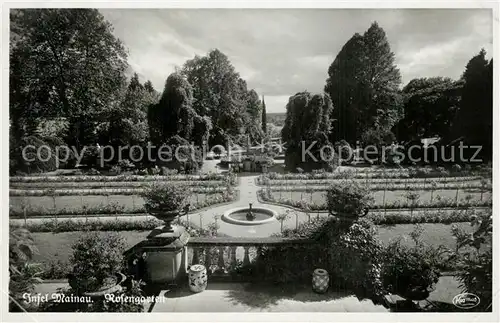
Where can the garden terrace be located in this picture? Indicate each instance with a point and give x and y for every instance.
(226, 257)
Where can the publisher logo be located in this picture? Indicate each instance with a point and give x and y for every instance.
(466, 300)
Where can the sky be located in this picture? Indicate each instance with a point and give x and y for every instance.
(280, 52)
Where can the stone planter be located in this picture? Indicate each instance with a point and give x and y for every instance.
(198, 278)
(111, 285)
(320, 281)
(166, 216)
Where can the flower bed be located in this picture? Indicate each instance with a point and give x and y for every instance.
(116, 208)
(105, 184)
(381, 186)
(122, 178)
(99, 191)
(266, 195)
(381, 173)
(262, 180)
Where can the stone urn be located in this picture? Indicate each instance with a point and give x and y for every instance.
(198, 278)
(320, 281)
(110, 285)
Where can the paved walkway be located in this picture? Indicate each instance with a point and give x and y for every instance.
(248, 194)
(241, 297)
(245, 297)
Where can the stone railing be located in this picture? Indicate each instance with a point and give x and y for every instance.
(225, 256)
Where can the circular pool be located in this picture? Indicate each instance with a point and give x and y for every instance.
(239, 216)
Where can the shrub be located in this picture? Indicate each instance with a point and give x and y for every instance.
(353, 256)
(96, 257)
(115, 170)
(345, 151)
(162, 196)
(37, 165)
(350, 253)
(126, 164)
(411, 272)
(474, 258)
(91, 155)
(23, 274)
(349, 198)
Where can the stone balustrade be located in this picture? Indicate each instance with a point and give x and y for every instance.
(223, 256)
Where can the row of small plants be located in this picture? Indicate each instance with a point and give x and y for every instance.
(263, 180)
(123, 178)
(116, 208)
(95, 185)
(428, 216)
(104, 191)
(387, 186)
(424, 172)
(410, 202)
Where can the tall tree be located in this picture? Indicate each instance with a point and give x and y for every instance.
(174, 114)
(64, 62)
(127, 120)
(307, 123)
(430, 106)
(218, 93)
(363, 83)
(264, 116)
(474, 120)
(149, 87)
(253, 116)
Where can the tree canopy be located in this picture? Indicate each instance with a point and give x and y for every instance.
(222, 95)
(64, 62)
(430, 105)
(363, 83)
(474, 120)
(307, 123)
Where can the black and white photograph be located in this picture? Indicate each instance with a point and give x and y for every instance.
(187, 160)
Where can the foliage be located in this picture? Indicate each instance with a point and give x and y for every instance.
(307, 123)
(165, 197)
(222, 96)
(474, 120)
(95, 260)
(348, 198)
(174, 114)
(474, 258)
(264, 116)
(96, 257)
(363, 84)
(411, 272)
(55, 54)
(430, 106)
(128, 125)
(23, 274)
(38, 159)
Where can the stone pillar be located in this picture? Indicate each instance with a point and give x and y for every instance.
(167, 257)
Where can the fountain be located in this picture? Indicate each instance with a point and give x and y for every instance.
(249, 215)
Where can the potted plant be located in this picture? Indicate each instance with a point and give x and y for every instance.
(166, 201)
(411, 271)
(97, 263)
(348, 199)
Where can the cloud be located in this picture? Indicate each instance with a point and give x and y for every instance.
(283, 51)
